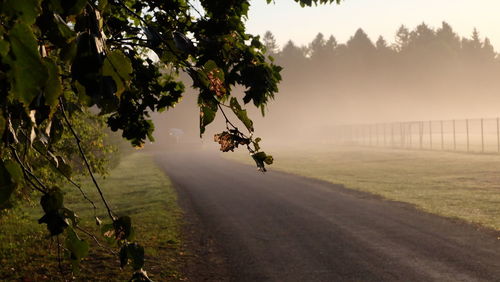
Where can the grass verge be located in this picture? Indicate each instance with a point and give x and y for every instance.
(136, 187)
(456, 185)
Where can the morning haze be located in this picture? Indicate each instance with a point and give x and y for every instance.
(427, 73)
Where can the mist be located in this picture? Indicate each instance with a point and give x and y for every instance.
(429, 73)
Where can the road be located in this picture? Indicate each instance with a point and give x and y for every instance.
(282, 227)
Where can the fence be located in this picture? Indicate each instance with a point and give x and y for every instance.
(469, 135)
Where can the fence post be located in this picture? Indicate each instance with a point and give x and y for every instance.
(467, 129)
(498, 134)
(454, 137)
(409, 134)
(421, 134)
(370, 134)
(442, 136)
(385, 138)
(392, 134)
(482, 136)
(430, 133)
(401, 135)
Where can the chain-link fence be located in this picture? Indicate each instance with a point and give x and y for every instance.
(469, 135)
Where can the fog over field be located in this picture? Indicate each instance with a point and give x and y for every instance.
(430, 73)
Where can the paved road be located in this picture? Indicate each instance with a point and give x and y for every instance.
(281, 227)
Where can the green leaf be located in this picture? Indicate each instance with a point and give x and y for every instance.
(69, 214)
(136, 254)
(208, 110)
(68, 52)
(269, 160)
(63, 167)
(123, 256)
(241, 114)
(56, 6)
(56, 131)
(15, 171)
(56, 29)
(209, 66)
(26, 10)
(4, 47)
(53, 85)
(3, 123)
(119, 67)
(28, 72)
(52, 201)
(102, 5)
(7, 185)
(261, 159)
(123, 228)
(73, 7)
(63, 29)
(256, 143)
(77, 247)
(108, 231)
(55, 222)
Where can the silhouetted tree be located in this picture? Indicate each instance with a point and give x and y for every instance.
(270, 42)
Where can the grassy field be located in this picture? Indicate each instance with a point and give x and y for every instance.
(136, 188)
(457, 185)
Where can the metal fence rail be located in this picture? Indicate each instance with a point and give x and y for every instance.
(468, 135)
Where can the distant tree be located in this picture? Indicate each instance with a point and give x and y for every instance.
(477, 51)
(269, 42)
(360, 51)
(291, 55)
(384, 51)
(488, 51)
(402, 38)
(422, 37)
(360, 42)
(321, 49)
(381, 43)
(423, 61)
(317, 45)
(449, 38)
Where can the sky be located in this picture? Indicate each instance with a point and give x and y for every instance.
(287, 20)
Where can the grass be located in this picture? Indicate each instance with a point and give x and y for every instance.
(136, 187)
(456, 185)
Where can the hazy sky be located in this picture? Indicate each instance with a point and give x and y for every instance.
(287, 20)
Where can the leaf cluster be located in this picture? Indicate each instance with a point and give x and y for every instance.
(68, 66)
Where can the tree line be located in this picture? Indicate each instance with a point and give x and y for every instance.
(426, 73)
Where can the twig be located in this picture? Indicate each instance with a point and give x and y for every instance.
(27, 173)
(69, 179)
(146, 24)
(95, 240)
(196, 10)
(59, 259)
(82, 153)
(132, 12)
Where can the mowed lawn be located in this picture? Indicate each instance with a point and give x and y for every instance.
(456, 185)
(136, 187)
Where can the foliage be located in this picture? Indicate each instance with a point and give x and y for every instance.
(61, 59)
(27, 254)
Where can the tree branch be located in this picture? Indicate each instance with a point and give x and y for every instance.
(82, 153)
(67, 178)
(27, 173)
